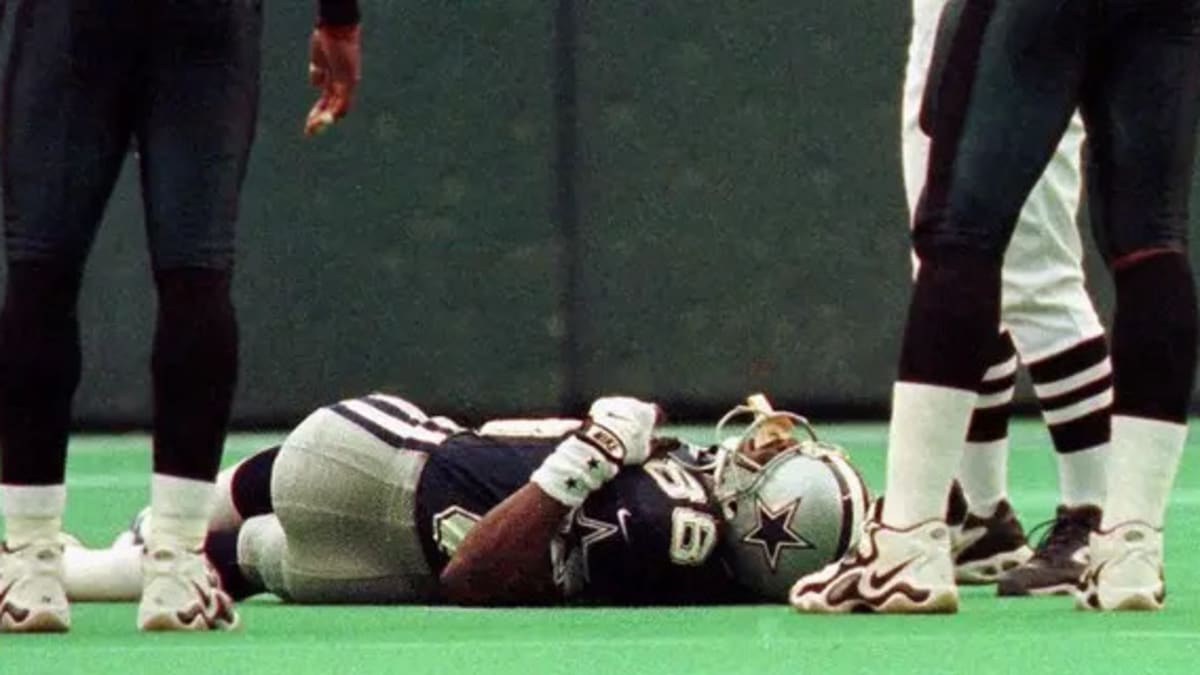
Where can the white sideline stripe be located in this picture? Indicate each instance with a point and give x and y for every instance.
(993, 400)
(1001, 370)
(1079, 409)
(394, 425)
(1074, 381)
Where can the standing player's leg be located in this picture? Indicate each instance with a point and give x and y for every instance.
(195, 133)
(66, 124)
(1142, 106)
(1046, 307)
(1005, 89)
(1059, 337)
(986, 536)
(1062, 341)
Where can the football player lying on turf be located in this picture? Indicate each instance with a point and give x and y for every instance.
(372, 501)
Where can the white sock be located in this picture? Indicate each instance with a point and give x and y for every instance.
(33, 512)
(1082, 476)
(983, 474)
(179, 509)
(1145, 457)
(103, 575)
(925, 443)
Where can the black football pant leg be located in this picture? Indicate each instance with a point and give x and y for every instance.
(1141, 103)
(1003, 85)
(67, 113)
(194, 134)
(83, 76)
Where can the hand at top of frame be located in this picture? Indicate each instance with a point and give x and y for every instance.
(334, 68)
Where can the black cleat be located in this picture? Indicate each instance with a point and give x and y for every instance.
(1061, 556)
(984, 548)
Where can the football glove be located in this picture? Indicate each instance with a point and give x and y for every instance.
(333, 68)
(617, 432)
(621, 428)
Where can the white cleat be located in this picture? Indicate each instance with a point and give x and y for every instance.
(32, 597)
(181, 591)
(893, 571)
(1125, 571)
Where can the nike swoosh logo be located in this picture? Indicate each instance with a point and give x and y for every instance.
(622, 514)
(966, 539)
(204, 595)
(876, 579)
(19, 614)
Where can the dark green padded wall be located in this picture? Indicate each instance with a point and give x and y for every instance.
(736, 220)
(743, 220)
(413, 248)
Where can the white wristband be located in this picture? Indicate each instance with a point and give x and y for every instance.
(573, 471)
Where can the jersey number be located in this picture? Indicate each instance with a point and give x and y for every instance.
(676, 482)
(693, 532)
(693, 536)
(451, 526)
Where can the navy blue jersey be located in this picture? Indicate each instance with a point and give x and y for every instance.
(463, 479)
(647, 537)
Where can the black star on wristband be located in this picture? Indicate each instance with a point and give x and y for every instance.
(593, 464)
(572, 484)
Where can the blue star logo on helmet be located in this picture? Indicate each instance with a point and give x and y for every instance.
(774, 531)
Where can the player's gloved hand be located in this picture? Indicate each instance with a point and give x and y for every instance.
(617, 432)
(621, 427)
(334, 68)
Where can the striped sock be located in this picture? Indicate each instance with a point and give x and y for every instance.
(983, 471)
(1075, 390)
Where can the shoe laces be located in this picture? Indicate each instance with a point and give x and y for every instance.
(1061, 536)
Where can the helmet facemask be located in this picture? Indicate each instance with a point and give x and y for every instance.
(791, 502)
(738, 466)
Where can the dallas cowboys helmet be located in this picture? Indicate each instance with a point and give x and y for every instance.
(787, 515)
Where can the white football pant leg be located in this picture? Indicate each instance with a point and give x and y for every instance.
(1043, 300)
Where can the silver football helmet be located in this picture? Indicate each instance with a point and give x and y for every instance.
(791, 504)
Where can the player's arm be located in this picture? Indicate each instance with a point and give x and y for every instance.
(334, 62)
(505, 558)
